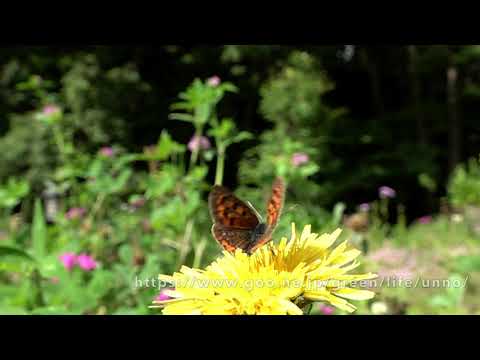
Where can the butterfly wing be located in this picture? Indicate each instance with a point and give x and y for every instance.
(232, 239)
(229, 211)
(234, 221)
(274, 210)
(275, 203)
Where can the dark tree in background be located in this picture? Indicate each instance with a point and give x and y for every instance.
(410, 111)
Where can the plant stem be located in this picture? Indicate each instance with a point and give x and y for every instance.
(60, 142)
(185, 244)
(220, 165)
(96, 207)
(37, 285)
(384, 209)
(199, 249)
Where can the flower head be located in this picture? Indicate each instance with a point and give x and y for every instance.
(214, 81)
(162, 296)
(425, 219)
(50, 109)
(379, 308)
(86, 262)
(299, 158)
(275, 279)
(386, 192)
(457, 218)
(326, 310)
(106, 151)
(198, 142)
(69, 260)
(75, 213)
(137, 201)
(365, 207)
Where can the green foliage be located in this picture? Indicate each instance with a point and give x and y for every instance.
(464, 185)
(200, 99)
(13, 192)
(292, 99)
(90, 105)
(135, 224)
(427, 182)
(294, 95)
(451, 300)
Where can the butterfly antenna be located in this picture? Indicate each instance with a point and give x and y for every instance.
(254, 210)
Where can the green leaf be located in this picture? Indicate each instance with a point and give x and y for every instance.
(13, 192)
(241, 136)
(209, 154)
(14, 252)
(102, 282)
(440, 301)
(39, 231)
(166, 147)
(121, 180)
(467, 264)
(182, 117)
(228, 87)
(338, 210)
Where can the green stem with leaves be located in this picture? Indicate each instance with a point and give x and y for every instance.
(97, 206)
(196, 149)
(60, 142)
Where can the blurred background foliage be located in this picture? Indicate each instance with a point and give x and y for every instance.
(110, 152)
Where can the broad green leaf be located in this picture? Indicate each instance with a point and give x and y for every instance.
(39, 231)
(14, 252)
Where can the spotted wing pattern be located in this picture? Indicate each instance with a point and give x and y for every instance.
(229, 211)
(236, 224)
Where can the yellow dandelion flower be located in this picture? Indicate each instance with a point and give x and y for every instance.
(275, 279)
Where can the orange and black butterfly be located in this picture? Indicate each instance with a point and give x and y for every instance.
(237, 224)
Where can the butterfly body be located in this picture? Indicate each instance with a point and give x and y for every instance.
(236, 224)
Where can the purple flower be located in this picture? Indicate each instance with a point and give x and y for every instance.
(214, 81)
(86, 262)
(299, 158)
(162, 296)
(75, 213)
(139, 202)
(69, 260)
(425, 219)
(54, 280)
(106, 151)
(50, 109)
(326, 310)
(386, 192)
(364, 207)
(198, 142)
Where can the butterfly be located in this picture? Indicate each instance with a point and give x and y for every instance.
(237, 225)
